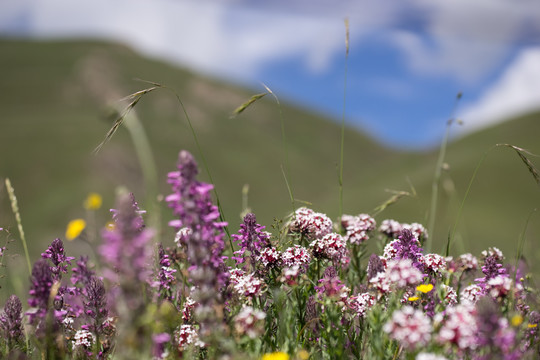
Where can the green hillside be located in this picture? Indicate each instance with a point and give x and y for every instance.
(53, 113)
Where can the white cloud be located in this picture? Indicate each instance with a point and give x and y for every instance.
(516, 92)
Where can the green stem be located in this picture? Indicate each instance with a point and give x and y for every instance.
(15, 209)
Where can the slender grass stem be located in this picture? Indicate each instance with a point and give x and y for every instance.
(15, 209)
(342, 142)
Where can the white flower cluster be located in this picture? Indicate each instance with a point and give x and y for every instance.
(331, 246)
(390, 228)
(248, 285)
(83, 338)
(182, 236)
(361, 303)
(410, 327)
(493, 251)
(467, 261)
(458, 326)
(434, 262)
(358, 227)
(185, 336)
(402, 273)
(270, 256)
(289, 275)
(296, 255)
(429, 356)
(250, 322)
(500, 286)
(311, 224)
(390, 251)
(450, 295)
(471, 294)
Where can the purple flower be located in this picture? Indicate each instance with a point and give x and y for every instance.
(81, 274)
(331, 285)
(165, 276)
(11, 321)
(252, 240)
(191, 203)
(55, 253)
(491, 270)
(40, 290)
(126, 249)
(95, 305)
(375, 266)
(408, 248)
(158, 345)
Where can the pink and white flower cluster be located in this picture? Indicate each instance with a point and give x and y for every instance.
(361, 303)
(331, 246)
(401, 273)
(296, 255)
(392, 229)
(250, 322)
(187, 335)
(458, 326)
(358, 227)
(434, 263)
(311, 224)
(410, 327)
(270, 257)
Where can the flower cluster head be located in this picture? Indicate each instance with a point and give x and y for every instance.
(270, 257)
(471, 294)
(311, 224)
(449, 295)
(408, 248)
(434, 263)
(458, 326)
(290, 275)
(331, 286)
(493, 252)
(56, 254)
(418, 231)
(358, 227)
(401, 273)
(376, 265)
(361, 303)
(185, 336)
(491, 269)
(187, 311)
(248, 286)
(410, 327)
(296, 255)
(165, 275)
(11, 321)
(467, 261)
(250, 322)
(40, 290)
(126, 248)
(390, 228)
(332, 246)
(182, 236)
(429, 356)
(95, 304)
(251, 239)
(83, 339)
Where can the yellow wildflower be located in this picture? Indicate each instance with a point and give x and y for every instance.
(517, 320)
(413, 298)
(93, 201)
(531, 326)
(275, 356)
(303, 354)
(74, 228)
(425, 288)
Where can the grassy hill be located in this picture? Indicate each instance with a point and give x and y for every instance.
(53, 112)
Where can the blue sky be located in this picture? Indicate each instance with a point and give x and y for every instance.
(407, 59)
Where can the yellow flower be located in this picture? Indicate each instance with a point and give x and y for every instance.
(413, 298)
(531, 326)
(517, 320)
(74, 228)
(303, 354)
(93, 201)
(275, 356)
(425, 288)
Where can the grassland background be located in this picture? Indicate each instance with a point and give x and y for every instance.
(55, 100)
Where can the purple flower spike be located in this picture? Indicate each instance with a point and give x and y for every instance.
(40, 289)
(375, 266)
(165, 276)
(126, 249)
(95, 306)
(11, 321)
(252, 239)
(55, 253)
(408, 248)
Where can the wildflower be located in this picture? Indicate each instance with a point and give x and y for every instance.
(407, 248)
(11, 321)
(492, 329)
(289, 275)
(296, 255)
(361, 303)
(467, 262)
(270, 257)
(249, 322)
(471, 294)
(449, 295)
(381, 283)
(458, 326)
(191, 203)
(279, 355)
(165, 275)
(494, 252)
(55, 253)
(83, 338)
(81, 273)
(95, 304)
(93, 201)
(358, 228)
(187, 311)
(375, 266)
(251, 240)
(182, 236)
(185, 336)
(310, 224)
(126, 250)
(425, 288)
(331, 246)
(516, 320)
(391, 250)
(75, 228)
(390, 228)
(418, 231)
(248, 286)
(433, 263)
(410, 327)
(491, 269)
(331, 285)
(402, 273)
(40, 289)
(499, 286)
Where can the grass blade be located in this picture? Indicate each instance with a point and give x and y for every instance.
(521, 153)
